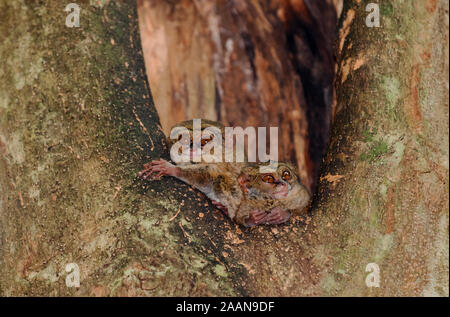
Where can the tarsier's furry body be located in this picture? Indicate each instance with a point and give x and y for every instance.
(277, 188)
(249, 196)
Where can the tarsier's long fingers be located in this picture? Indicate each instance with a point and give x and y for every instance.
(158, 166)
(258, 214)
(278, 216)
(147, 165)
(145, 173)
(256, 217)
(153, 163)
(220, 207)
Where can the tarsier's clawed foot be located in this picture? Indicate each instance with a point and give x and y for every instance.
(277, 216)
(220, 207)
(159, 167)
(256, 217)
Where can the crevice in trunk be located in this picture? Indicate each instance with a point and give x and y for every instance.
(272, 63)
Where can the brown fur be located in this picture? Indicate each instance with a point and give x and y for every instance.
(236, 186)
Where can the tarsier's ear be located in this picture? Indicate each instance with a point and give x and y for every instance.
(244, 181)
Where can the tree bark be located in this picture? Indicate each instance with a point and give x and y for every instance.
(77, 122)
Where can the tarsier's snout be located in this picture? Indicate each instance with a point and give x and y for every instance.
(282, 190)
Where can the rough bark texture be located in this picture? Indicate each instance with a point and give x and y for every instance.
(390, 144)
(77, 122)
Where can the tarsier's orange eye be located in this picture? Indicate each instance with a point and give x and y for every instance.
(268, 179)
(286, 175)
(206, 140)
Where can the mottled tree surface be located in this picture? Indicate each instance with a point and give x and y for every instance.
(77, 122)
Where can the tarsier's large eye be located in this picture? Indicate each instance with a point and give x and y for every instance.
(286, 175)
(268, 179)
(207, 140)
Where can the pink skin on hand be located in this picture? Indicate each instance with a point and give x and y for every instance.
(277, 216)
(220, 207)
(161, 167)
(256, 217)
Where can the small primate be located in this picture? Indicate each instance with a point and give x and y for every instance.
(237, 190)
(276, 190)
(250, 197)
(211, 141)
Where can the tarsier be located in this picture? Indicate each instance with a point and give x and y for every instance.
(211, 132)
(276, 189)
(246, 195)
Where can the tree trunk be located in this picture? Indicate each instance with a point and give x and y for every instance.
(77, 122)
(390, 144)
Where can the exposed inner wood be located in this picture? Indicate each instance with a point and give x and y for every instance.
(245, 63)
